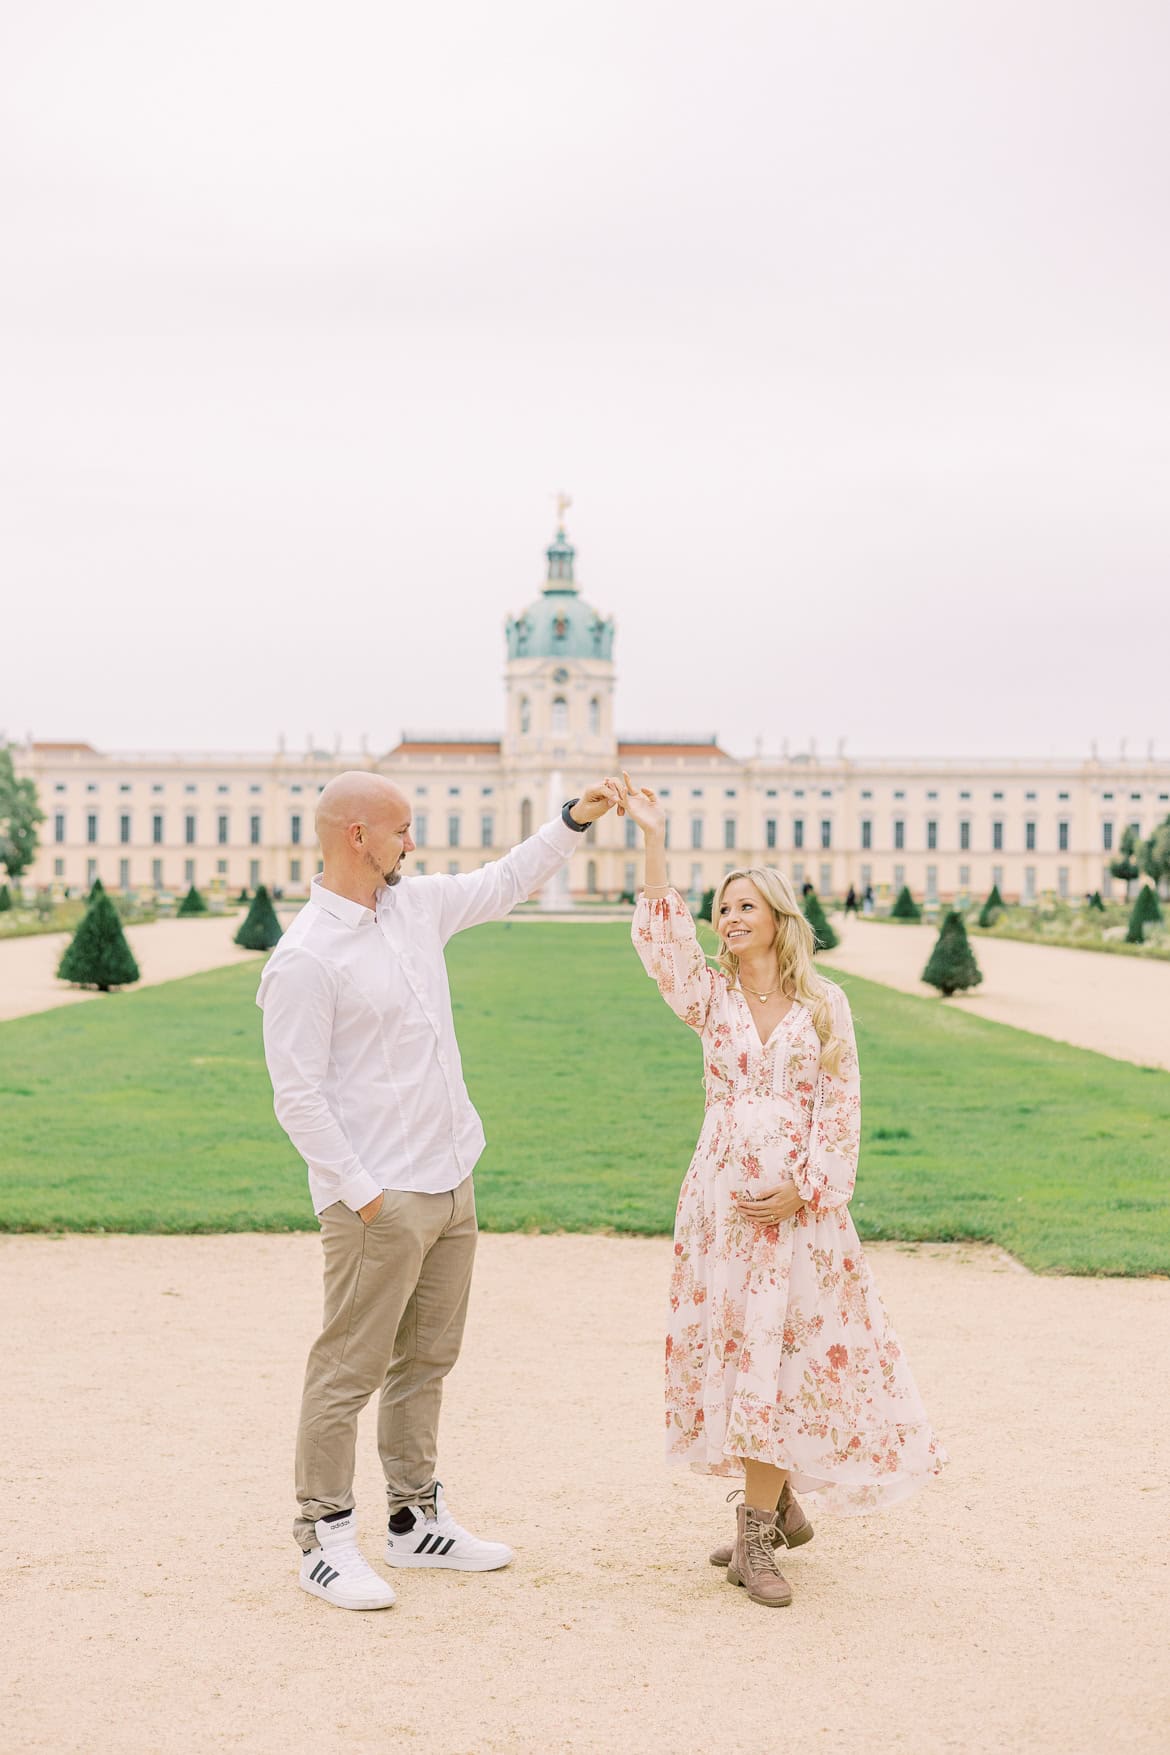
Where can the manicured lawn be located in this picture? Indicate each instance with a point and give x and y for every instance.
(151, 1111)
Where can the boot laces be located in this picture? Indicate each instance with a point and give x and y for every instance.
(762, 1537)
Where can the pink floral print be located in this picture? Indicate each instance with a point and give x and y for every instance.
(778, 1347)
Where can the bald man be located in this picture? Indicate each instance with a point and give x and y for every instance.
(367, 1082)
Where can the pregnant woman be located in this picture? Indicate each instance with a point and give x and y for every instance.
(781, 1368)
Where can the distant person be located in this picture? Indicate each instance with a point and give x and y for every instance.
(851, 900)
(867, 899)
(806, 888)
(360, 1044)
(781, 1368)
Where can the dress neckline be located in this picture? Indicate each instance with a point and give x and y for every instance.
(783, 1019)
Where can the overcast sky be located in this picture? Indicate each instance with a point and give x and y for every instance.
(844, 325)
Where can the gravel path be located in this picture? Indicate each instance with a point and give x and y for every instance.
(1118, 1005)
(164, 950)
(148, 1603)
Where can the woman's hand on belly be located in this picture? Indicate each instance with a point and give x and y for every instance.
(771, 1209)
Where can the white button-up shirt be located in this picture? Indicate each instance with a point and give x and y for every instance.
(358, 1032)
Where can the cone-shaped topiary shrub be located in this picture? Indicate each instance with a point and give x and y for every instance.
(992, 907)
(261, 928)
(706, 905)
(99, 889)
(905, 908)
(1095, 902)
(98, 955)
(952, 964)
(1145, 911)
(826, 938)
(5, 898)
(243, 896)
(192, 903)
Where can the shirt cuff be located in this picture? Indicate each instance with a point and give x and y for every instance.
(359, 1191)
(559, 835)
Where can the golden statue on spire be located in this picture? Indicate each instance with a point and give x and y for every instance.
(564, 501)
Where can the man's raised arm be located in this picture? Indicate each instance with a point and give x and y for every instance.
(469, 898)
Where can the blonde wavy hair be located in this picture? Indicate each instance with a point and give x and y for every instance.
(795, 940)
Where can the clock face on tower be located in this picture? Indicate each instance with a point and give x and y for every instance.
(561, 675)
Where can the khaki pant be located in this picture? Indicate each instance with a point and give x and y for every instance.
(395, 1303)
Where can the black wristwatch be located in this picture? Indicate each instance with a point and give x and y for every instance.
(568, 820)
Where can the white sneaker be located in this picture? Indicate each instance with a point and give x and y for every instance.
(440, 1541)
(337, 1571)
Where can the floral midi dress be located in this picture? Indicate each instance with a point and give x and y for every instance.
(778, 1347)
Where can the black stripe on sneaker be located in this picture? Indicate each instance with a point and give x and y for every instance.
(447, 1545)
(328, 1576)
(424, 1545)
(315, 1575)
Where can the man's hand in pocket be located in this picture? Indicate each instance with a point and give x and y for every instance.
(370, 1211)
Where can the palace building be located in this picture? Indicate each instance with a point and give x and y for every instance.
(948, 828)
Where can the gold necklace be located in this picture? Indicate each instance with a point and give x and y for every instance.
(760, 996)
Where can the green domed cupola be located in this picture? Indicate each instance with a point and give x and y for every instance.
(560, 624)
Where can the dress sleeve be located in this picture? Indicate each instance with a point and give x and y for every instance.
(665, 939)
(828, 1175)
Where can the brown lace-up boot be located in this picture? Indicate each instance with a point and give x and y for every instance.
(753, 1564)
(792, 1528)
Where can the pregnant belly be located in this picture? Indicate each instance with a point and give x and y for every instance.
(766, 1142)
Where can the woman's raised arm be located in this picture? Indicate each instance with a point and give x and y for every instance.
(663, 932)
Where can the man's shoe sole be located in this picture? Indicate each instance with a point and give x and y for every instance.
(722, 1556)
(449, 1562)
(764, 1602)
(316, 1590)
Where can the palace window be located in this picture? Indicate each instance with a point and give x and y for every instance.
(798, 831)
(1030, 836)
(254, 833)
(866, 834)
(124, 830)
(221, 830)
(560, 716)
(729, 833)
(931, 834)
(189, 831)
(899, 834)
(965, 835)
(826, 832)
(156, 831)
(1062, 835)
(770, 832)
(294, 827)
(997, 835)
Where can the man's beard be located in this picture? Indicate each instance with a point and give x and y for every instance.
(389, 878)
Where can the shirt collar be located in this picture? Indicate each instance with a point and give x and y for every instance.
(349, 913)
